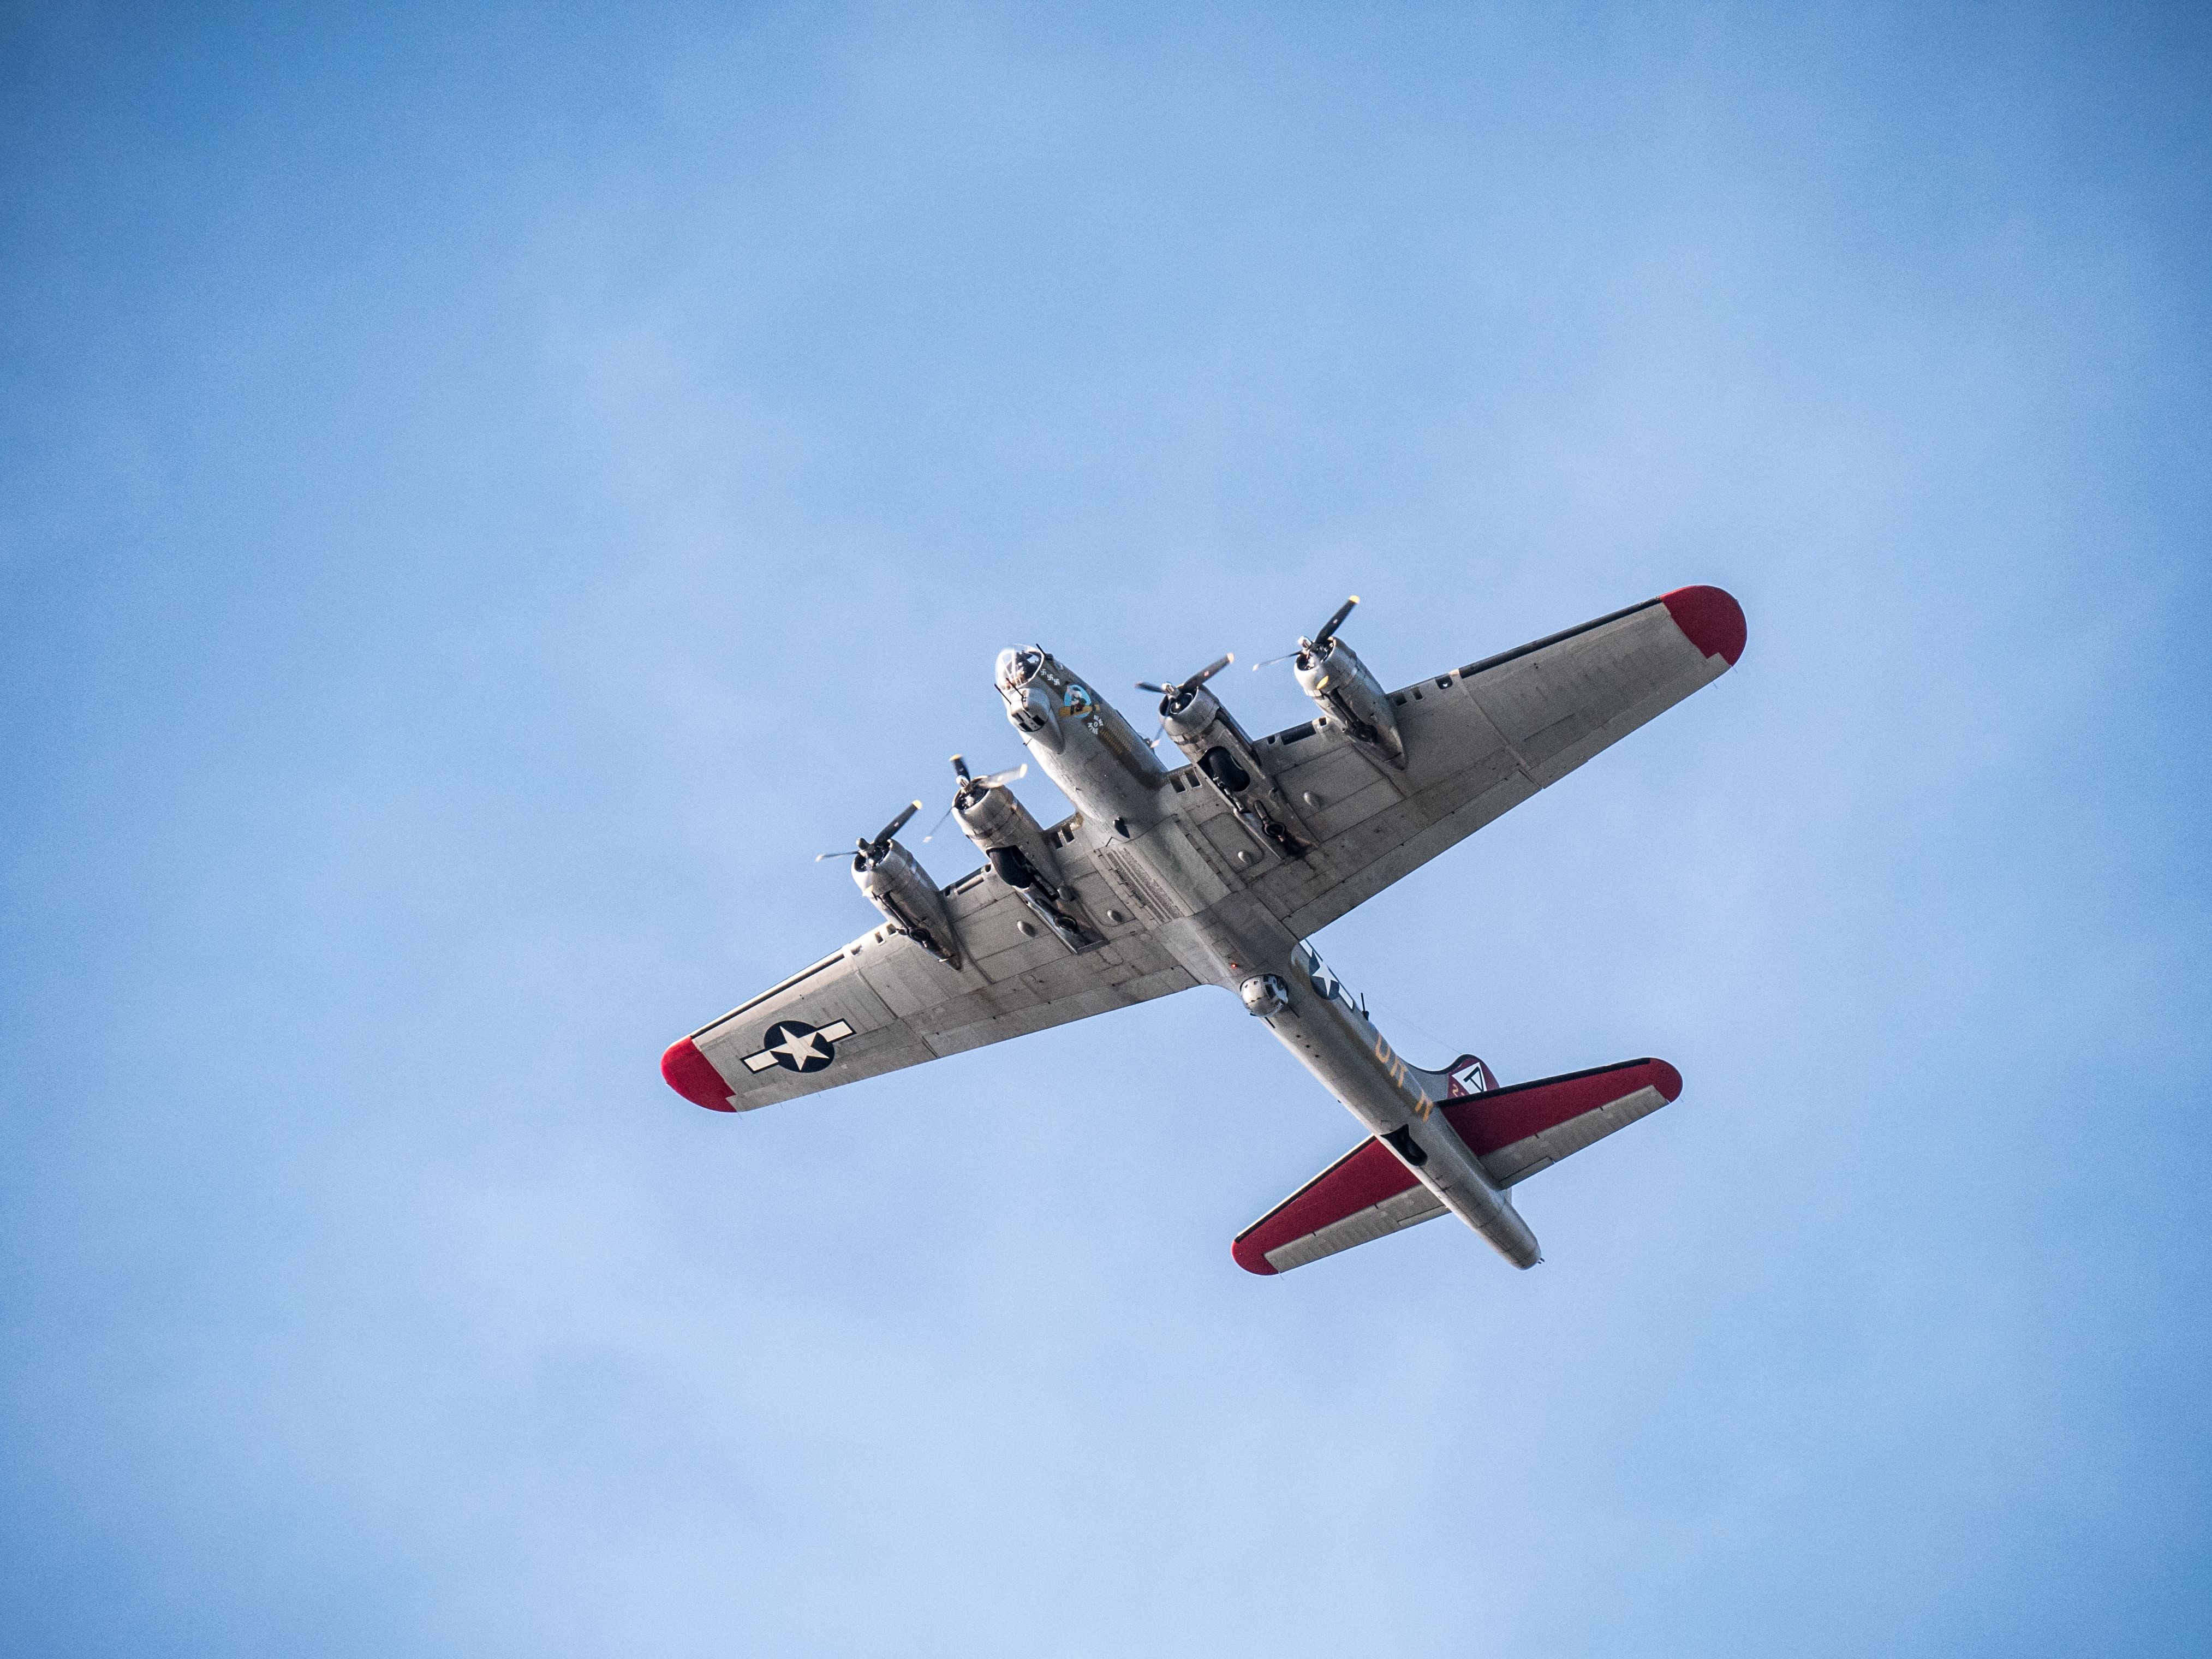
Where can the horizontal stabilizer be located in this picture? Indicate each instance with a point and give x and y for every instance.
(1525, 1127)
(1365, 1193)
(1516, 1131)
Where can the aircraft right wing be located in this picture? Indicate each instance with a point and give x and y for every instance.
(1481, 739)
(883, 1002)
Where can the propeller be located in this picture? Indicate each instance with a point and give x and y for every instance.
(1180, 694)
(972, 789)
(989, 780)
(1328, 629)
(1319, 641)
(870, 850)
(883, 835)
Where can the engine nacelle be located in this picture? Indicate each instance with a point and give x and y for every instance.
(1334, 677)
(901, 890)
(1209, 734)
(1010, 838)
(998, 823)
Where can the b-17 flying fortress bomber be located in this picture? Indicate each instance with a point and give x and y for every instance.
(1216, 873)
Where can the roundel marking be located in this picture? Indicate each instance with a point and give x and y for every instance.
(797, 1046)
(1318, 973)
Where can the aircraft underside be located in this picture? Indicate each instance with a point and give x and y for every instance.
(1215, 872)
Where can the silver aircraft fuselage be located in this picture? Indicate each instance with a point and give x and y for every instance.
(1224, 938)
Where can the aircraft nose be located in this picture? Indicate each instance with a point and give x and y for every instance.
(1018, 664)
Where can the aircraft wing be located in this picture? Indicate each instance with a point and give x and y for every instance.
(883, 1002)
(1481, 739)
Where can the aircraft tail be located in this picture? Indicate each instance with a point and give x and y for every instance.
(1514, 1131)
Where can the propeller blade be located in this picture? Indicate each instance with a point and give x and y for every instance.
(1009, 775)
(1196, 680)
(895, 825)
(959, 765)
(1271, 662)
(840, 853)
(1328, 629)
(936, 826)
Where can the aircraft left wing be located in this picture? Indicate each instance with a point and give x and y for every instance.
(883, 1002)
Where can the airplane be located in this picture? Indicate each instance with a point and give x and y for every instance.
(1217, 872)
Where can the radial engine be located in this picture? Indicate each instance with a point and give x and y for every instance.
(1009, 837)
(1332, 675)
(890, 879)
(1209, 735)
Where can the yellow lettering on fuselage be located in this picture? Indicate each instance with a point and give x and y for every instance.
(1397, 1068)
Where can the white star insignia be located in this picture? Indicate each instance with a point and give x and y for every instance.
(796, 1046)
(799, 1047)
(1323, 980)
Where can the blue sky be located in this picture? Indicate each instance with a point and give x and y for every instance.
(484, 497)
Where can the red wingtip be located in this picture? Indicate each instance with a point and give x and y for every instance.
(1667, 1081)
(1247, 1252)
(692, 1075)
(1710, 618)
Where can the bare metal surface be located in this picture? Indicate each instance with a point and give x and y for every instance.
(1164, 880)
